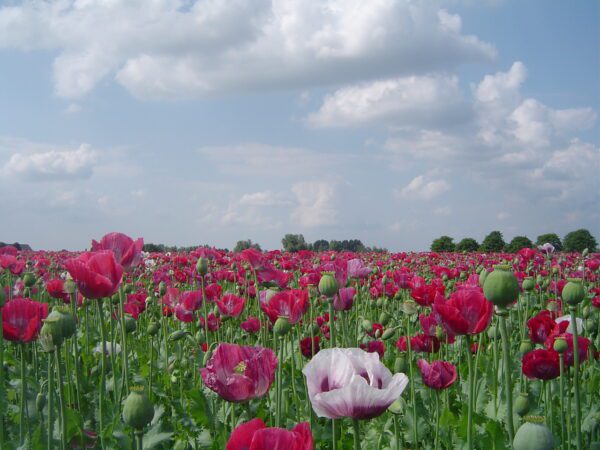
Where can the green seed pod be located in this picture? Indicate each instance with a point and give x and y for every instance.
(590, 325)
(202, 266)
(177, 335)
(282, 326)
(560, 344)
(130, 324)
(328, 285)
(387, 334)
(501, 287)
(522, 404)
(138, 410)
(40, 402)
(482, 276)
(409, 307)
(384, 318)
(153, 328)
(525, 347)
(400, 365)
(587, 312)
(366, 325)
(539, 279)
(379, 302)
(528, 284)
(533, 435)
(28, 280)
(129, 289)
(573, 292)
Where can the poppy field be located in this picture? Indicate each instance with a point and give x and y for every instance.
(116, 348)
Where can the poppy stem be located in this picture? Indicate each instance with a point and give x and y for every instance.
(102, 371)
(50, 441)
(502, 313)
(578, 439)
(562, 397)
(139, 440)
(124, 354)
(470, 399)
(61, 400)
(356, 427)
(331, 323)
(22, 419)
(1, 384)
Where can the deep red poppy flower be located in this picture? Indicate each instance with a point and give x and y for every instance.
(231, 305)
(22, 319)
(251, 325)
(292, 304)
(307, 344)
(128, 252)
(568, 355)
(56, 289)
(542, 364)
(466, 312)
(254, 435)
(239, 373)
(420, 343)
(541, 326)
(376, 346)
(97, 275)
(438, 374)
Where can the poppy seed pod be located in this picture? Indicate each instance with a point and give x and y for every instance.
(525, 347)
(130, 324)
(282, 326)
(202, 266)
(528, 284)
(328, 285)
(153, 328)
(560, 345)
(482, 276)
(138, 410)
(501, 287)
(522, 404)
(28, 279)
(573, 292)
(69, 286)
(533, 435)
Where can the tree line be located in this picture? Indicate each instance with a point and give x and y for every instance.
(296, 242)
(575, 241)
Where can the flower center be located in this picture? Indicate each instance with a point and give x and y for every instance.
(240, 368)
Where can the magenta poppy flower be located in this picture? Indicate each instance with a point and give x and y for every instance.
(543, 364)
(438, 374)
(310, 346)
(349, 382)
(344, 299)
(128, 252)
(97, 275)
(541, 326)
(466, 312)
(239, 373)
(251, 325)
(56, 289)
(292, 304)
(231, 305)
(254, 435)
(22, 319)
(357, 269)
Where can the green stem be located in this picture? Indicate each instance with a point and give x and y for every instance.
(470, 399)
(356, 427)
(50, 441)
(437, 418)
(102, 370)
(125, 374)
(1, 384)
(507, 374)
(331, 323)
(139, 440)
(61, 400)
(578, 439)
(22, 419)
(333, 436)
(396, 432)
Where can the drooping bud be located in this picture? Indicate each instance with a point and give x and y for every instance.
(387, 334)
(384, 318)
(501, 287)
(138, 410)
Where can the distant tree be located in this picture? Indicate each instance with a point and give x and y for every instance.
(493, 242)
(517, 243)
(320, 245)
(443, 244)
(335, 246)
(293, 243)
(153, 248)
(551, 238)
(578, 240)
(246, 244)
(467, 245)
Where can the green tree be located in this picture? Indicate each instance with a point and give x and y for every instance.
(578, 240)
(443, 244)
(245, 244)
(517, 243)
(293, 243)
(493, 242)
(467, 245)
(551, 238)
(320, 245)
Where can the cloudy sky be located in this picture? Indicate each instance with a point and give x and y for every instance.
(391, 121)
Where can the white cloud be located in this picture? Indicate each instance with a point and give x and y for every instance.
(316, 204)
(443, 211)
(421, 188)
(52, 164)
(175, 49)
(265, 198)
(407, 100)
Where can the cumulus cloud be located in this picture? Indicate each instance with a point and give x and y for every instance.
(175, 49)
(422, 188)
(316, 204)
(52, 164)
(414, 100)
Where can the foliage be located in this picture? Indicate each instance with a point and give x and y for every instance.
(551, 238)
(245, 244)
(467, 245)
(493, 242)
(443, 244)
(517, 243)
(578, 240)
(293, 243)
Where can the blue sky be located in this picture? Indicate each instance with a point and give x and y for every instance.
(206, 122)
